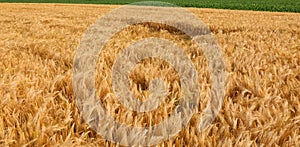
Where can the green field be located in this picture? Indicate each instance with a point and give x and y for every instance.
(260, 5)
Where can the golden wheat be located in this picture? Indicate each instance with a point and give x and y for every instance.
(38, 42)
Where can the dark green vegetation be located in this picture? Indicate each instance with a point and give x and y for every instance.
(260, 5)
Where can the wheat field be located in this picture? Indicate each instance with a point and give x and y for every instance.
(38, 42)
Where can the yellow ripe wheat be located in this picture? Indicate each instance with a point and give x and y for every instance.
(38, 43)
